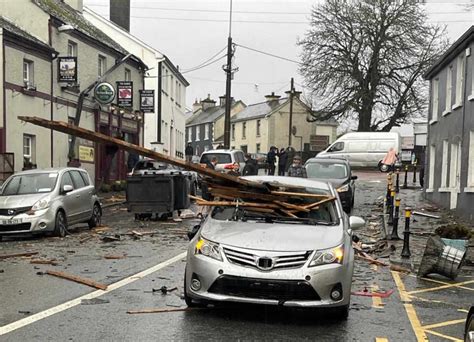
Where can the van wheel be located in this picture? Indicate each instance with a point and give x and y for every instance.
(383, 167)
(60, 227)
(96, 216)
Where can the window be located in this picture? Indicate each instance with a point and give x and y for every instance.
(444, 165)
(77, 179)
(190, 132)
(166, 81)
(102, 65)
(257, 149)
(28, 72)
(459, 80)
(29, 148)
(198, 133)
(449, 90)
(244, 130)
(454, 166)
(206, 131)
(71, 49)
(432, 167)
(171, 86)
(435, 101)
(66, 180)
(470, 175)
(339, 146)
(258, 128)
(128, 75)
(233, 132)
(85, 177)
(176, 89)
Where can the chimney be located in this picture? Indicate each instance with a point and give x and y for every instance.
(208, 103)
(272, 97)
(78, 5)
(120, 13)
(196, 106)
(222, 101)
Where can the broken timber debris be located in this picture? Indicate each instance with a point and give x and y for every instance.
(44, 262)
(16, 255)
(132, 312)
(77, 279)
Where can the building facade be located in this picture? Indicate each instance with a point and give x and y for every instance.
(449, 167)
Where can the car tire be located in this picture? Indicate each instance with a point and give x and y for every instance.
(383, 167)
(96, 216)
(60, 224)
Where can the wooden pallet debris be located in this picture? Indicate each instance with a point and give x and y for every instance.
(16, 255)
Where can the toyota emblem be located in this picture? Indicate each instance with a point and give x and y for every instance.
(265, 263)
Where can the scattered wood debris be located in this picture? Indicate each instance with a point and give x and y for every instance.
(85, 281)
(115, 257)
(52, 262)
(16, 255)
(87, 238)
(426, 215)
(161, 310)
(380, 294)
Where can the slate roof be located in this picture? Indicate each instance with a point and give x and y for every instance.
(69, 15)
(205, 116)
(257, 110)
(12, 28)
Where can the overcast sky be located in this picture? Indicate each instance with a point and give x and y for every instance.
(191, 32)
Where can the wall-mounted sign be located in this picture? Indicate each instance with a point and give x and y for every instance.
(125, 93)
(147, 101)
(86, 154)
(104, 93)
(67, 67)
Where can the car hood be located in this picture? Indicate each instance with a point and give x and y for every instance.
(272, 236)
(336, 182)
(20, 201)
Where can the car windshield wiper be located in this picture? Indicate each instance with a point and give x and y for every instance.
(243, 215)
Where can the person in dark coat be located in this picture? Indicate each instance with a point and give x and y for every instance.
(282, 159)
(271, 159)
(290, 152)
(210, 164)
(251, 167)
(189, 151)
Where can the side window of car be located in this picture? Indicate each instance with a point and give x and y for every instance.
(337, 147)
(85, 178)
(77, 179)
(66, 180)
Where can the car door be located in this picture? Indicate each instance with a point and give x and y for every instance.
(81, 196)
(89, 192)
(68, 200)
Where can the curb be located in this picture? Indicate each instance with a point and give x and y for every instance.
(105, 206)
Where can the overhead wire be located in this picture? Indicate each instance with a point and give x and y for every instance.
(207, 60)
(269, 54)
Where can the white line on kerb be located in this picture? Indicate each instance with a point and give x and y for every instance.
(72, 303)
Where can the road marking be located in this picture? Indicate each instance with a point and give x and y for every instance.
(381, 339)
(444, 324)
(410, 310)
(376, 301)
(446, 286)
(74, 302)
(443, 336)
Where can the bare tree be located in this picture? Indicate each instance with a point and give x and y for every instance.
(365, 59)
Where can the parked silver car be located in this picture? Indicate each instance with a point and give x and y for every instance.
(239, 256)
(38, 201)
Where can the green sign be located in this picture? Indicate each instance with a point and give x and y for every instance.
(104, 93)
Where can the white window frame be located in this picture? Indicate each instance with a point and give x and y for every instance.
(28, 72)
(198, 133)
(171, 87)
(454, 166)
(459, 82)
(435, 101)
(244, 130)
(31, 145)
(233, 132)
(259, 126)
(190, 134)
(432, 168)
(206, 131)
(257, 148)
(470, 169)
(102, 65)
(71, 49)
(444, 167)
(449, 90)
(127, 75)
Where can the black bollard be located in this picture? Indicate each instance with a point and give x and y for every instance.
(396, 215)
(392, 202)
(406, 235)
(405, 183)
(387, 198)
(414, 172)
(397, 183)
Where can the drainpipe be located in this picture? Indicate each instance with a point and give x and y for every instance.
(158, 98)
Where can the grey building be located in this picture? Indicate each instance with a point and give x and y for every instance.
(449, 166)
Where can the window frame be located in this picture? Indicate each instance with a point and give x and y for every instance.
(259, 123)
(102, 64)
(244, 130)
(435, 101)
(71, 46)
(28, 69)
(127, 74)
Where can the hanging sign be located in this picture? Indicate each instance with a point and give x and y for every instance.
(125, 93)
(147, 101)
(104, 93)
(67, 69)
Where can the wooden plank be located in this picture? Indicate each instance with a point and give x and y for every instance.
(298, 194)
(289, 213)
(160, 310)
(105, 139)
(85, 281)
(16, 255)
(292, 206)
(44, 262)
(316, 204)
(237, 193)
(241, 204)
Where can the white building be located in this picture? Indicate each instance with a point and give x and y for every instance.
(165, 128)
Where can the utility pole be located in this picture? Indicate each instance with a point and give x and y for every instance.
(228, 70)
(290, 124)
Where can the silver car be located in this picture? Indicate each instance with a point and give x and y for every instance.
(239, 256)
(38, 201)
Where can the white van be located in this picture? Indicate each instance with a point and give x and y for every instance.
(363, 149)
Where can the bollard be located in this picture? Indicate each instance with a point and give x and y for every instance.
(387, 198)
(414, 172)
(406, 235)
(396, 215)
(392, 202)
(397, 183)
(405, 183)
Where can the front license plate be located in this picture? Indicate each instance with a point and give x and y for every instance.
(11, 221)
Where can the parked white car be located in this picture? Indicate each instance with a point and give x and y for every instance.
(227, 160)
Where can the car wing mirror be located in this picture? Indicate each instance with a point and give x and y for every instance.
(354, 177)
(356, 222)
(67, 188)
(194, 230)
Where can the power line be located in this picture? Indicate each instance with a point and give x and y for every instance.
(205, 65)
(207, 60)
(269, 54)
(225, 21)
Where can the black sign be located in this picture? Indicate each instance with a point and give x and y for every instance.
(147, 101)
(125, 93)
(67, 69)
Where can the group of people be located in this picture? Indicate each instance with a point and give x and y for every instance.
(289, 162)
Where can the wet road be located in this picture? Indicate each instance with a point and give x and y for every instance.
(37, 307)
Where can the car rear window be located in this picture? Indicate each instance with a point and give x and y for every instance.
(222, 158)
(324, 170)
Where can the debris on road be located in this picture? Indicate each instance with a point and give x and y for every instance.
(85, 281)
(164, 290)
(111, 238)
(16, 255)
(187, 214)
(24, 312)
(453, 231)
(52, 262)
(94, 301)
(100, 229)
(426, 215)
(161, 310)
(114, 257)
(399, 269)
(380, 294)
(87, 238)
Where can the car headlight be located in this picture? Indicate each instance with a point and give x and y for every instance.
(41, 204)
(328, 256)
(343, 188)
(208, 248)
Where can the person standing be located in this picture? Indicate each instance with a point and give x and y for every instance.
(251, 167)
(290, 154)
(189, 151)
(390, 159)
(210, 164)
(282, 160)
(271, 159)
(297, 169)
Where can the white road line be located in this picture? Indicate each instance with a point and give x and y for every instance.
(72, 303)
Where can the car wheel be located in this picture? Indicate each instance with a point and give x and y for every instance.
(341, 312)
(383, 167)
(96, 216)
(60, 226)
(469, 333)
(353, 201)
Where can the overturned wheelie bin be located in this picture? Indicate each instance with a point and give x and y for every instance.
(157, 195)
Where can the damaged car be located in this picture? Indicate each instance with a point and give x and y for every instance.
(244, 256)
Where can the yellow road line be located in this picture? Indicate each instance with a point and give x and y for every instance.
(448, 285)
(444, 324)
(381, 339)
(410, 310)
(443, 336)
(445, 283)
(376, 301)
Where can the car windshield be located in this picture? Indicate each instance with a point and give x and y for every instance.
(30, 184)
(222, 158)
(325, 170)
